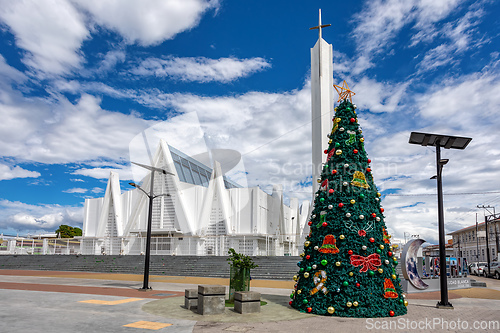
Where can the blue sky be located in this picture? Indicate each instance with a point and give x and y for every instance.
(79, 79)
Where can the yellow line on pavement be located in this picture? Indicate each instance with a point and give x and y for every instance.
(121, 301)
(150, 325)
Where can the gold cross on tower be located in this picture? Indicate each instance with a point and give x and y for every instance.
(319, 25)
(344, 92)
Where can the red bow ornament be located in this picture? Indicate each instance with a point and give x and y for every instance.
(369, 262)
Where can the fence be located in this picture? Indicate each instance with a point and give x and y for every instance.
(160, 245)
(40, 246)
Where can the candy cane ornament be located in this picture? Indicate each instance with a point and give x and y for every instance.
(319, 280)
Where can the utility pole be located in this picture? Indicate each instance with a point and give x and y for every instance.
(486, 218)
(477, 243)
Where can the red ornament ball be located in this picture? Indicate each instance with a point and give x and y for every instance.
(325, 151)
(309, 309)
(330, 191)
(389, 254)
(368, 169)
(381, 210)
(369, 161)
(391, 313)
(372, 239)
(310, 223)
(374, 215)
(355, 151)
(362, 233)
(290, 303)
(334, 172)
(357, 284)
(352, 120)
(324, 224)
(308, 257)
(350, 252)
(341, 205)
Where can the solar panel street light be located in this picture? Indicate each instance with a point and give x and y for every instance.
(447, 142)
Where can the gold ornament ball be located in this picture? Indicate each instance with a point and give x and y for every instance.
(337, 120)
(390, 248)
(405, 303)
(351, 273)
(380, 270)
(355, 303)
(349, 304)
(353, 201)
(307, 243)
(381, 246)
(362, 139)
(295, 278)
(299, 291)
(330, 141)
(338, 152)
(394, 276)
(341, 236)
(306, 275)
(379, 195)
(302, 254)
(319, 180)
(331, 310)
(337, 263)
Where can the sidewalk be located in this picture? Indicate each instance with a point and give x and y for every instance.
(46, 295)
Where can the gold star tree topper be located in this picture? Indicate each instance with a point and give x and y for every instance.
(344, 92)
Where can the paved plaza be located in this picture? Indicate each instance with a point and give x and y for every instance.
(48, 301)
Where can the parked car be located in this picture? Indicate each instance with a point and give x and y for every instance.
(477, 268)
(494, 270)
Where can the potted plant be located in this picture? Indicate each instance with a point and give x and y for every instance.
(239, 277)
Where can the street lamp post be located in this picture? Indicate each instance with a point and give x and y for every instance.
(447, 142)
(151, 196)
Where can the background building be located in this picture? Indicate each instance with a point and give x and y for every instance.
(470, 242)
(204, 214)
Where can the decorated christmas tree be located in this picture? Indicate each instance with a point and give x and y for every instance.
(348, 267)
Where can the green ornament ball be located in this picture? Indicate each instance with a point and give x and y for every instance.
(371, 273)
(291, 295)
(345, 283)
(324, 262)
(301, 269)
(362, 196)
(378, 251)
(308, 268)
(337, 144)
(305, 301)
(322, 199)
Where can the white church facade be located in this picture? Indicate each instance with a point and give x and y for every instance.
(204, 213)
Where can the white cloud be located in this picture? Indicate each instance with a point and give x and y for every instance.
(97, 190)
(200, 69)
(378, 96)
(459, 35)
(7, 172)
(18, 216)
(51, 31)
(380, 22)
(58, 131)
(147, 22)
(76, 190)
(103, 173)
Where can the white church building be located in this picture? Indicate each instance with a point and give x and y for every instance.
(205, 213)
